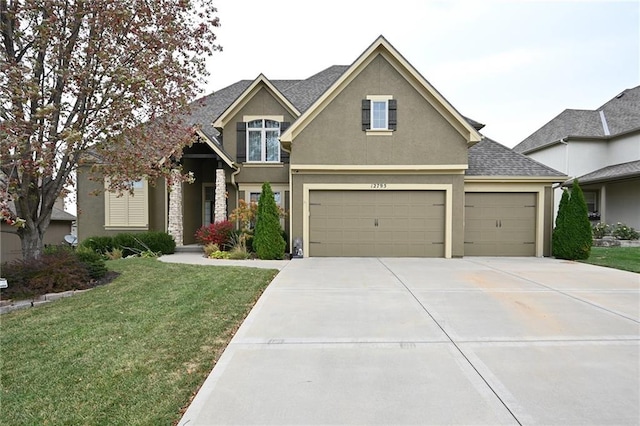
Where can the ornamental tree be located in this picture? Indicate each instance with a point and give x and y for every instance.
(572, 237)
(83, 76)
(267, 240)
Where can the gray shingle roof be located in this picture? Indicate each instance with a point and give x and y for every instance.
(490, 158)
(486, 158)
(615, 172)
(305, 92)
(619, 115)
(301, 93)
(56, 213)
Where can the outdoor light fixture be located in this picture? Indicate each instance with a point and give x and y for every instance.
(297, 247)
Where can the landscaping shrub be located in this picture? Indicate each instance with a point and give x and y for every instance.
(93, 262)
(128, 244)
(210, 248)
(624, 232)
(99, 244)
(158, 242)
(572, 236)
(219, 233)
(267, 240)
(55, 271)
(132, 244)
(600, 230)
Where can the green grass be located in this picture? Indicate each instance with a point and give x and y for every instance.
(625, 258)
(128, 353)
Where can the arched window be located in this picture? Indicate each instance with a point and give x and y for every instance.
(262, 141)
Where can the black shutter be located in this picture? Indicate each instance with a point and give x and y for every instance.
(241, 142)
(284, 155)
(393, 114)
(366, 114)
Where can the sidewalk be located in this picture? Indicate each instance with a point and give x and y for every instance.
(199, 259)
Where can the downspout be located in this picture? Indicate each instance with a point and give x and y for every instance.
(235, 185)
(290, 202)
(566, 154)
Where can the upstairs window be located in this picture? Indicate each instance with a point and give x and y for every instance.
(263, 145)
(379, 113)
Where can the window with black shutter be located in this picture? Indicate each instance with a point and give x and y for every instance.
(284, 155)
(241, 142)
(379, 113)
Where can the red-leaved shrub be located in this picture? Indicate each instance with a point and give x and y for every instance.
(216, 233)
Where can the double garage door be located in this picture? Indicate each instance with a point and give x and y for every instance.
(376, 223)
(412, 224)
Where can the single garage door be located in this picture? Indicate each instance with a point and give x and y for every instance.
(376, 223)
(500, 224)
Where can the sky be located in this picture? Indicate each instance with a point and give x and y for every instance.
(512, 65)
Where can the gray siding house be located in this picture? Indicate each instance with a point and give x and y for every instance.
(601, 148)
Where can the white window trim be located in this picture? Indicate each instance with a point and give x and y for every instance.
(249, 189)
(377, 131)
(263, 137)
(108, 223)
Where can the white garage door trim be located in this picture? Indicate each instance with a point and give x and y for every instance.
(534, 188)
(379, 186)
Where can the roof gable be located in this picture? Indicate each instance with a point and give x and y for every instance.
(618, 116)
(382, 47)
(260, 82)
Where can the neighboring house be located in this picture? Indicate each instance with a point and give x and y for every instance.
(61, 225)
(602, 149)
(367, 159)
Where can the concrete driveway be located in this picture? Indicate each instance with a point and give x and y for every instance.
(433, 341)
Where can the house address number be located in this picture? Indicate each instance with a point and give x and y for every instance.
(378, 185)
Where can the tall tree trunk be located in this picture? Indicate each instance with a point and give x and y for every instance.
(32, 242)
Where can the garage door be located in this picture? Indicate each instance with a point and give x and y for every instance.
(376, 223)
(500, 224)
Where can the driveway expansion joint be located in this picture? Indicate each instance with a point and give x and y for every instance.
(453, 342)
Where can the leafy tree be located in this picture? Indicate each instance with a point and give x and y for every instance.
(267, 241)
(82, 76)
(572, 236)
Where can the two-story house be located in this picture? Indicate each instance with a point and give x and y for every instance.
(602, 149)
(367, 159)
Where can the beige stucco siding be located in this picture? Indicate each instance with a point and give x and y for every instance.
(335, 135)
(276, 173)
(12, 248)
(90, 207)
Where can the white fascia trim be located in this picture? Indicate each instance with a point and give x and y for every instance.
(516, 179)
(216, 149)
(278, 118)
(247, 95)
(379, 168)
(367, 56)
(448, 220)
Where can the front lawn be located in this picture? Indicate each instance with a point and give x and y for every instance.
(625, 258)
(131, 352)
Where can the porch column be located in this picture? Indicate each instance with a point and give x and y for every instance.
(220, 203)
(175, 208)
(602, 202)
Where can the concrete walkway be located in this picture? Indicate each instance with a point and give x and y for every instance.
(199, 259)
(433, 341)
